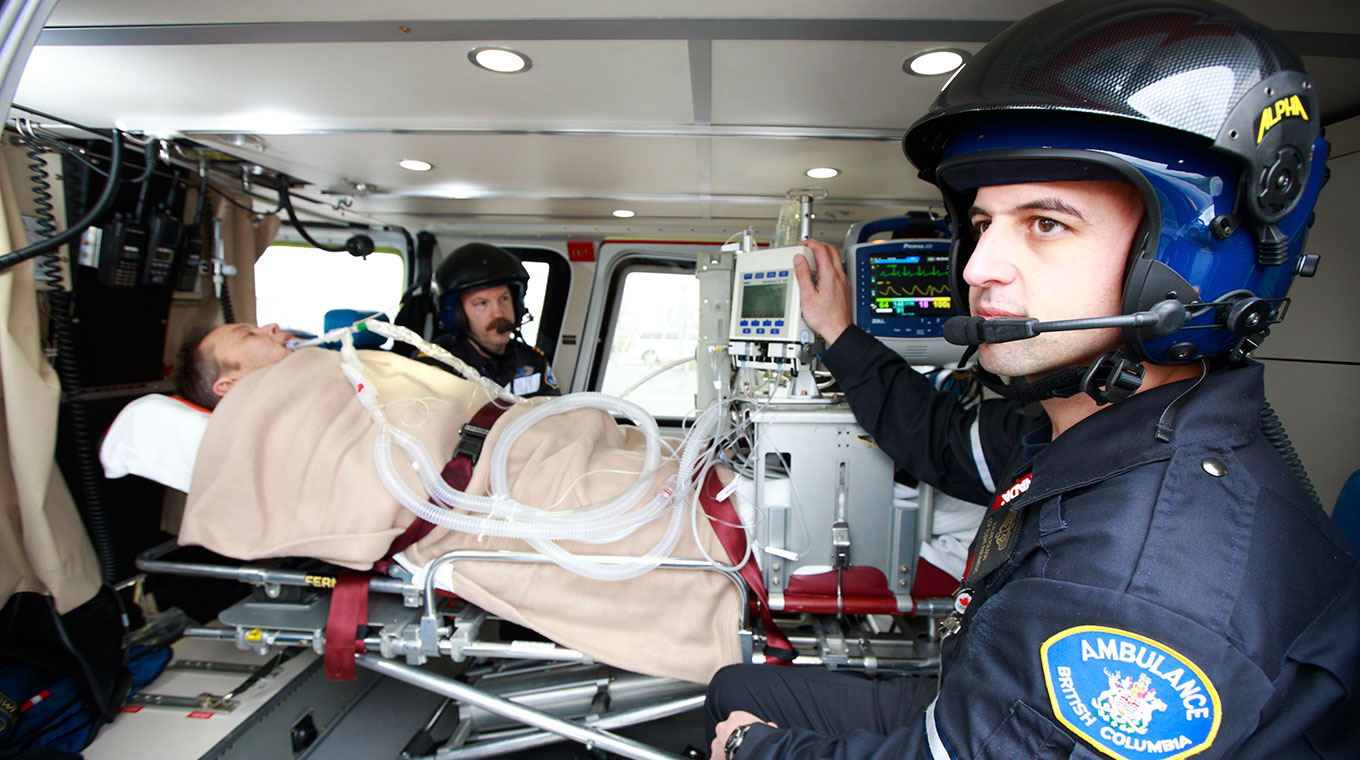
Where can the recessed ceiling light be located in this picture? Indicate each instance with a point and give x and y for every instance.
(822, 172)
(415, 164)
(499, 59)
(929, 63)
(624, 213)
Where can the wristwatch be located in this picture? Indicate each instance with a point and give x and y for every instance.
(734, 740)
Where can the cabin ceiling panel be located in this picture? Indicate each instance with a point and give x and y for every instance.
(272, 88)
(479, 164)
(870, 170)
(105, 13)
(428, 213)
(789, 83)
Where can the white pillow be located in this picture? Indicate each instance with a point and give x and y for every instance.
(156, 437)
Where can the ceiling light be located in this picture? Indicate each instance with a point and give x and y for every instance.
(415, 164)
(929, 63)
(624, 213)
(500, 60)
(822, 172)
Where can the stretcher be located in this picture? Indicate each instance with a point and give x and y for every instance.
(512, 692)
(515, 666)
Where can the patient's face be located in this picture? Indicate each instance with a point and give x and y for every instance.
(488, 309)
(242, 349)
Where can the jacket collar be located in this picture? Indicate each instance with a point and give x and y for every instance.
(1225, 410)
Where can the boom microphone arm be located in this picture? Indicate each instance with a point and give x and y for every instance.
(1162, 319)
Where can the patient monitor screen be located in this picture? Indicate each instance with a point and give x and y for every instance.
(901, 291)
(763, 301)
(909, 284)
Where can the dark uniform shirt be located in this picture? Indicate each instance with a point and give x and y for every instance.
(1153, 600)
(522, 369)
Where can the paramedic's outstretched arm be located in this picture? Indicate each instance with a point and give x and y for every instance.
(926, 432)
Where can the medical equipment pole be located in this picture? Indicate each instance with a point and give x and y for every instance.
(590, 737)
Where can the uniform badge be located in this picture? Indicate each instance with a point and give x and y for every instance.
(1129, 696)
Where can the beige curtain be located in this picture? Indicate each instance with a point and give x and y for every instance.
(43, 544)
(245, 236)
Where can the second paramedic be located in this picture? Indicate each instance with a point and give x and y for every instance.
(479, 294)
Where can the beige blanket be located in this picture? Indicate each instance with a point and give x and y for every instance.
(286, 469)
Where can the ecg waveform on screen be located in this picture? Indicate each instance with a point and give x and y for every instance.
(887, 271)
(910, 285)
(886, 290)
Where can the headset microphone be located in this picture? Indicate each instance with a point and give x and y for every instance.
(1162, 319)
(524, 320)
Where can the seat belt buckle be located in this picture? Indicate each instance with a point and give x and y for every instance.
(470, 440)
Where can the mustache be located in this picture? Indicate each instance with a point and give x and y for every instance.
(501, 325)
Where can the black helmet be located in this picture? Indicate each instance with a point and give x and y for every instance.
(1206, 112)
(472, 267)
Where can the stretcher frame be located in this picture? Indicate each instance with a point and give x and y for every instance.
(421, 634)
(423, 624)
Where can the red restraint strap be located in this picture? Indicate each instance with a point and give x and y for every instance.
(348, 615)
(456, 473)
(778, 649)
(345, 624)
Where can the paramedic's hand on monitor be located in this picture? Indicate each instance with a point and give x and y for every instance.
(825, 305)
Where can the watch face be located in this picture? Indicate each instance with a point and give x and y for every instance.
(734, 739)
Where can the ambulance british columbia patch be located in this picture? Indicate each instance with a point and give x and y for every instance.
(1129, 696)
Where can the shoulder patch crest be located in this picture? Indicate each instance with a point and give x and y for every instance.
(1131, 697)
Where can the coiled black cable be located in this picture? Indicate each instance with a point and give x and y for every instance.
(100, 208)
(1274, 431)
(89, 476)
(228, 313)
(49, 264)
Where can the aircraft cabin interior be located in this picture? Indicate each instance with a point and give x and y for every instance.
(526, 425)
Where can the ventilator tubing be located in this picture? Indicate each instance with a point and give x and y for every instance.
(500, 514)
(506, 517)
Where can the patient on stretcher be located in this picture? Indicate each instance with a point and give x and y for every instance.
(286, 468)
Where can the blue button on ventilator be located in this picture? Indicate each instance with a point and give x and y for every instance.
(779, 322)
(759, 275)
(774, 330)
(783, 273)
(760, 331)
(746, 276)
(744, 323)
(767, 323)
(746, 331)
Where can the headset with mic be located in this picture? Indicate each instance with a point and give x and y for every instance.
(515, 326)
(1164, 318)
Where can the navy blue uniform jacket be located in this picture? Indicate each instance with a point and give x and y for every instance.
(522, 369)
(1162, 600)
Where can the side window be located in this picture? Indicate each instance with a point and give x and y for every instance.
(533, 297)
(654, 313)
(546, 298)
(296, 285)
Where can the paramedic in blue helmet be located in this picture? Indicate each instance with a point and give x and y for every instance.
(479, 292)
(1152, 580)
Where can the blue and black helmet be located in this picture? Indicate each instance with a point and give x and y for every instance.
(1206, 112)
(472, 267)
